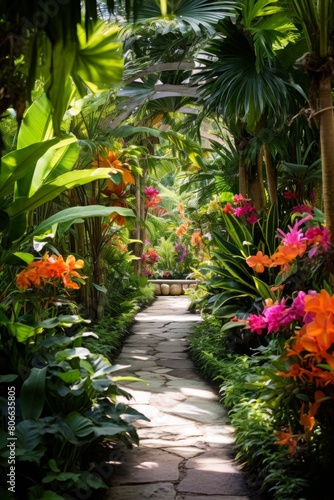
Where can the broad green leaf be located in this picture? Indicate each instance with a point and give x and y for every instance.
(102, 384)
(22, 332)
(8, 378)
(99, 59)
(29, 440)
(59, 87)
(20, 259)
(73, 213)
(100, 288)
(51, 165)
(21, 163)
(32, 396)
(79, 425)
(66, 320)
(62, 340)
(232, 324)
(51, 190)
(110, 429)
(36, 125)
(130, 414)
(69, 377)
(66, 354)
(55, 162)
(61, 476)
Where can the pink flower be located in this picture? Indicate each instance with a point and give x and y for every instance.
(256, 323)
(238, 198)
(297, 308)
(295, 236)
(301, 209)
(318, 237)
(275, 316)
(252, 219)
(151, 192)
(228, 209)
(247, 208)
(290, 195)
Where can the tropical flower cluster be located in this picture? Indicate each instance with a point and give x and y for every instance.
(278, 316)
(242, 207)
(152, 198)
(181, 251)
(300, 206)
(196, 238)
(308, 358)
(115, 194)
(51, 269)
(184, 227)
(148, 259)
(295, 243)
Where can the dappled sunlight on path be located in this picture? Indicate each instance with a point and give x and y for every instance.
(186, 450)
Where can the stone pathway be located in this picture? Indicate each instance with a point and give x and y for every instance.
(186, 450)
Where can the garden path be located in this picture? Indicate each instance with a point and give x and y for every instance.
(186, 450)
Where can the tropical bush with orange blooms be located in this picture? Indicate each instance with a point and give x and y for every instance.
(271, 289)
(179, 252)
(66, 396)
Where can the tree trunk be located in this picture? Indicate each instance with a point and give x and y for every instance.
(256, 184)
(240, 145)
(271, 177)
(138, 245)
(243, 185)
(326, 120)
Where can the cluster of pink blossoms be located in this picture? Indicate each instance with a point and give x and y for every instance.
(294, 244)
(279, 316)
(243, 207)
(315, 237)
(151, 197)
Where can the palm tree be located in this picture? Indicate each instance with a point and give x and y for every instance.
(245, 84)
(315, 18)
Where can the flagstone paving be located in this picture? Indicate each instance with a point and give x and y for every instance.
(186, 450)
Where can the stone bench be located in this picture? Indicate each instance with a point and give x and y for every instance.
(172, 287)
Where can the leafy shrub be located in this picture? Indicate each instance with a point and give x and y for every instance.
(66, 397)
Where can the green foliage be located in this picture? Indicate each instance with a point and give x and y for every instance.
(166, 252)
(270, 468)
(233, 287)
(35, 174)
(66, 396)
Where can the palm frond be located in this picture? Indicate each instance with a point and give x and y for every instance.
(193, 14)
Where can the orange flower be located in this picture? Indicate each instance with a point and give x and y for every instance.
(320, 303)
(294, 372)
(55, 265)
(111, 161)
(72, 263)
(258, 262)
(182, 229)
(153, 202)
(287, 438)
(307, 419)
(180, 209)
(40, 272)
(286, 254)
(118, 219)
(196, 238)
